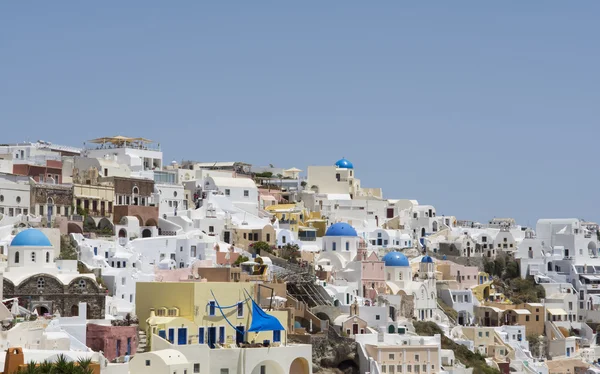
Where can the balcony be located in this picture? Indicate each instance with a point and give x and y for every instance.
(288, 222)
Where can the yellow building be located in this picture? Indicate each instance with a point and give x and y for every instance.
(91, 195)
(187, 312)
(486, 292)
(244, 236)
(487, 342)
(289, 214)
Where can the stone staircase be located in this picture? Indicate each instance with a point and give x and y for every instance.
(142, 341)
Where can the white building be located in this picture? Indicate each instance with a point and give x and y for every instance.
(15, 195)
(242, 192)
(166, 358)
(140, 155)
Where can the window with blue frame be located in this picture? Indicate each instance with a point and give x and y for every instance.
(221, 334)
(240, 310)
(201, 335)
(276, 336)
(211, 308)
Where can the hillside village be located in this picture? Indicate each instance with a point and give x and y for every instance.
(115, 261)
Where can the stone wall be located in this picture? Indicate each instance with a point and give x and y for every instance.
(124, 186)
(61, 195)
(43, 290)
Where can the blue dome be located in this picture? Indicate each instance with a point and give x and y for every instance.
(30, 238)
(341, 229)
(427, 259)
(395, 259)
(344, 164)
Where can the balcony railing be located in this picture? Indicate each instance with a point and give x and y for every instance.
(307, 238)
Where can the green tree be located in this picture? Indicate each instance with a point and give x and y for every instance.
(512, 270)
(67, 248)
(260, 247)
(290, 252)
(535, 344)
(241, 259)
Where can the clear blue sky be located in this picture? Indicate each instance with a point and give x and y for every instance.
(480, 109)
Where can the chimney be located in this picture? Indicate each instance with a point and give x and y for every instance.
(152, 314)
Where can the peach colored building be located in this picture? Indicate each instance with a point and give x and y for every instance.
(401, 354)
(465, 276)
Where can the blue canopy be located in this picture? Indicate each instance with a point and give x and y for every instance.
(261, 321)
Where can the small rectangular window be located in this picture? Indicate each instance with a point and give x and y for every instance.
(147, 362)
(246, 193)
(227, 192)
(211, 308)
(196, 368)
(240, 310)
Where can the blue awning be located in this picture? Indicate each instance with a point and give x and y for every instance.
(261, 321)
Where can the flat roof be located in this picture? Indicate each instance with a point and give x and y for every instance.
(557, 311)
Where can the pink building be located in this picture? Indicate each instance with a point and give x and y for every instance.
(114, 341)
(465, 276)
(372, 272)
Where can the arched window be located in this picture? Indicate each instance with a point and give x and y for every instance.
(16, 257)
(32, 256)
(347, 246)
(47, 256)
(333, 246)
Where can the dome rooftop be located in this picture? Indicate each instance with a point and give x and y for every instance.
(30, 238)
(341, 229)
(395, 259)
(344, 164)
(427, 259)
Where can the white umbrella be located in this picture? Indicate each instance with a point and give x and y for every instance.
(276, 298)
(14, 308)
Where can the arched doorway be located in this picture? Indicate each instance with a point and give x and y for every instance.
(391, 329)
(122, 233)
(423, 232)
(299, 366)
(549, 266)
(268, 366)
(42, 310)
(73, 228)
(434, 226)
(74, 310)
(146, 233)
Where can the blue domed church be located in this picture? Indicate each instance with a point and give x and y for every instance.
(340, 244)
(47, 286)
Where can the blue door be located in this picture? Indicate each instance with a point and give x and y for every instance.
(276, 336)
(172, 336)
(95, 251)
(239, 335)
(212, 336)
(222, 334)
(182, 336)
(162, 334)
(201, 335)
